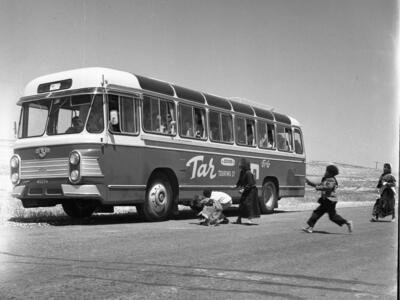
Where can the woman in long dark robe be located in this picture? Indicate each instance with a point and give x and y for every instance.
(249, 206)
(385, 205)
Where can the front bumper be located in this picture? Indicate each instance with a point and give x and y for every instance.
(68, 191)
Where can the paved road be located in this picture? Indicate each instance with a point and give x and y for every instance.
(118, 257)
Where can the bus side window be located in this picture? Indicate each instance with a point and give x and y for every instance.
(159, 116)
(186, 121)
(199, 123)
(250, 131)
(113, 113)
(282, 145)
(240, 131)
(271, 135)
(129, 119)
(192, 122)
(227, 132)
(262, 134)
(289, 138)
(214, 119)
(298, 142)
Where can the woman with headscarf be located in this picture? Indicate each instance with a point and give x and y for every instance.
(248, 206)
(384, 205)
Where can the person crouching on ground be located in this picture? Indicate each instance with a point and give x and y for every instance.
(249, 206)
(327, 200)
(212, 204)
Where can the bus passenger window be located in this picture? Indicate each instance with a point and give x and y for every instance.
(240, 131)
(159, 116)
(250, 132)
(285, 139)
(298, 142)
(129, 120)
(271, 135)
(199, 123)
(266, 135)
(113, 113)
(262, 134)
(227, 132)
(186, 121)
(289, 138)
(214, 118)
(192, 122)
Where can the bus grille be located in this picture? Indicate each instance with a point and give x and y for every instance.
(58, 168)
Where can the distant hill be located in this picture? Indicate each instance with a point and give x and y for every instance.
(317, 168)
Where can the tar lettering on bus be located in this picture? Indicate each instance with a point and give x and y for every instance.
(200, 169)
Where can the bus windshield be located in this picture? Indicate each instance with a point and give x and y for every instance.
(62, 115)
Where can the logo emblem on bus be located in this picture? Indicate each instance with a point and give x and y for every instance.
(227, 162)
(265, 164)
(42, 151)
(200, 169)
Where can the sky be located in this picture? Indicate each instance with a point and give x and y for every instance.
(332, 65)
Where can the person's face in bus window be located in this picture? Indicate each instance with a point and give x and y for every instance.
(77, 123)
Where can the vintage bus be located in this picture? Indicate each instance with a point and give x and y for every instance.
(94, 138)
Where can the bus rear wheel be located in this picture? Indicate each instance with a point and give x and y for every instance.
(159, 200)
(269, 197)
(78, 209)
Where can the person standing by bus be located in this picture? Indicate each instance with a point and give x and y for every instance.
(384, 206)
(248, 207)
(327, 200)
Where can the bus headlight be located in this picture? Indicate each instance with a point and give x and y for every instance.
(15, 169)
(74, 175)
(15, 178)
(14, 162)
(74, 166)
(74, 158)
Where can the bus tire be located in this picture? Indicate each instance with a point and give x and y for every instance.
(79, 209)
(269, 197)
(159, 199)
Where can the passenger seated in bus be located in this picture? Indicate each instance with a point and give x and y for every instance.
(114, 123)
(170, 125)
(77, 125)
(212, 204)
(199, 132)
(199, 124)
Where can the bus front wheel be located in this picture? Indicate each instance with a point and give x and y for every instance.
(79, 209)
(159, 200)
(269, 197)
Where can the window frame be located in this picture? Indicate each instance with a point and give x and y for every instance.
(136, 102)
(290, 145)
(267, 124)
(246, 119)
(204, 124)
(159, 100)
(220, 127)
(298, 130)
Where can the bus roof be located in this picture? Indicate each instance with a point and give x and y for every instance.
(94, 77)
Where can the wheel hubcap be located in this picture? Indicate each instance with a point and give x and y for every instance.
(158, 197)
